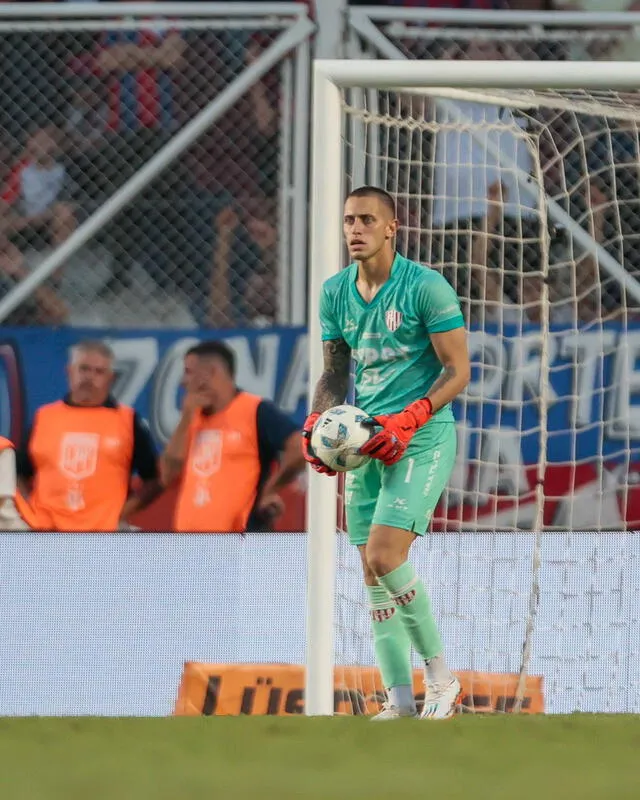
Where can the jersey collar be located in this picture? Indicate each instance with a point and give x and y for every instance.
(110, 402)
(398, 260)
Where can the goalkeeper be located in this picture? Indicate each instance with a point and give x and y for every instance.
(401, 324)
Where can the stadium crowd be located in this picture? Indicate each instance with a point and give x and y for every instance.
(82, 111)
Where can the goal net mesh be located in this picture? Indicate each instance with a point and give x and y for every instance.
(528, 204)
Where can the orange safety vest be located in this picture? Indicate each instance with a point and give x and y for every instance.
(222, 469)
(82, 464)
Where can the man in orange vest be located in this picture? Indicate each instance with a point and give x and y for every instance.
(81, 452)
(225, 447)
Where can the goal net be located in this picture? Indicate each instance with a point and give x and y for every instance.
(527, 201)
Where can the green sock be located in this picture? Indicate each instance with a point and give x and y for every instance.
(414, 609)
(390, 639)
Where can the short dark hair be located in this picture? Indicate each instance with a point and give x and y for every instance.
(374, 191)
(215, 349)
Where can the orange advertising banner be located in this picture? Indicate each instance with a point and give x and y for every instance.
(278, 689)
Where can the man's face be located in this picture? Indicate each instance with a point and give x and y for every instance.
(90, 377)
(368, 225)
(205, 377)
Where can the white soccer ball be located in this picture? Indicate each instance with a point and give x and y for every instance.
(338, 435)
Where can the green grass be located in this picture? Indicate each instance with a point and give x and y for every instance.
(579, 757)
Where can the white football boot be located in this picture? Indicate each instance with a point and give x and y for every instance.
(440, 700)
(393, 712)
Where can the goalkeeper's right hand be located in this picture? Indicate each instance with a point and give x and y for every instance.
(308, 453)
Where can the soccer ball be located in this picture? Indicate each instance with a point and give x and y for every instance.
(338, 435)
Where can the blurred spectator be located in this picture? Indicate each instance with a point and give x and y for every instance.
(137, 105)
(32, 89)
(81, 451)
(37, 195)
(466, 171)
(35, 214)
(232, 164)
(243, 285)
(43, 307)
(239, 154)
(225, 448)
(86, 116)
(140, 67)
(592, 170)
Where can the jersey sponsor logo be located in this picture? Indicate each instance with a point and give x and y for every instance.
(393, 319)
(367, 356)
(350, 326)
(79, 455)
(399, 503)
(207, 452)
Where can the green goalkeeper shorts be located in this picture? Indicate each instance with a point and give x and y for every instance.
(405, 494)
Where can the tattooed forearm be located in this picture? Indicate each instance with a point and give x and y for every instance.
(331, 389)
(446, 376)
(445, 388)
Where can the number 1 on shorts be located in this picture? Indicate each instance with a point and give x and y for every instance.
(410, 462)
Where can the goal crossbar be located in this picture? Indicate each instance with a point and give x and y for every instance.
(328, 180)
(476, 74)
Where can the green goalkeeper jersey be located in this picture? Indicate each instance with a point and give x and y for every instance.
(389, 337)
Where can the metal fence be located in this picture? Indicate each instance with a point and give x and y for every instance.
(589, 155)
(153, 157)
(153, 164)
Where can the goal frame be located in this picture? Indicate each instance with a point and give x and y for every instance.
(327, 181)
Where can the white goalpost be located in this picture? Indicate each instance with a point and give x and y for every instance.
(520, 181)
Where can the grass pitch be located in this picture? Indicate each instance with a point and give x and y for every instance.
(579, 757)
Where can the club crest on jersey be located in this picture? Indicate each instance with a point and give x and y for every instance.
(393, 320)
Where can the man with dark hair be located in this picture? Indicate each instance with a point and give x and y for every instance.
(400, 322)
(375, 191)
(213, 349)
(224, 449)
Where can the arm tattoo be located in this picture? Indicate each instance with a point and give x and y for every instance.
(331, 389)
(447, 374)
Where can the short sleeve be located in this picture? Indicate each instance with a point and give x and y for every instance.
(274, 428)
(438, 305)
(24, 463)
(144, 461)
(328, 322)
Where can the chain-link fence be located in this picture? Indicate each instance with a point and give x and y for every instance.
(86, 103)
(590, 162)
(449, 33)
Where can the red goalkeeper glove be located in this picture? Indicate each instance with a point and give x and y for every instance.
(307, 450)
(397, 429)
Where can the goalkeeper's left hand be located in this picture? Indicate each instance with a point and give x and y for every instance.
(391, 442)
